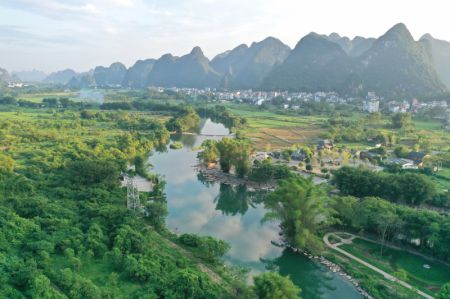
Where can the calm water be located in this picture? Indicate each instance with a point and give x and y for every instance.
(234, 215)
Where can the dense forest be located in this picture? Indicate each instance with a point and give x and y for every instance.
(65, 229)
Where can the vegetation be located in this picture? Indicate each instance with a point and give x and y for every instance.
(229, 152)
(423, 230)
(264, 171)
(273, 285)
(392, 261)
(186, 120)
(444, 292)
(209, 248)
(301, 208)
(411, 188)
(66, 232)
(176, 145)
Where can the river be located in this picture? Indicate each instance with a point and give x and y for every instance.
(234, 215)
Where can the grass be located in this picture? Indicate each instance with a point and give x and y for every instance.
(37, 97)
(442, 178)
(344, 235)
(428, 125)
(372, 282)
(393, 260)
(270, 131)
(333, 239)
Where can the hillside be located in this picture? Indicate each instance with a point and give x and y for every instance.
(191, 70)
(245, 67)
(394, 65)
(30, 76)
(60, 77)
(314, 64)
(137, 75)
(4, 75)
(440, 51)
(110, 76)
(353, 47)
(397, 65)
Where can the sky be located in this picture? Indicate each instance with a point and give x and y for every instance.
(50, 35)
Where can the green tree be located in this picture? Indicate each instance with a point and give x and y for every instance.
(444, 292)
(96, 240)
(402, 121)
(299, 204)
(272, 285)
(226, 148)
(156, 212)
(41, 288)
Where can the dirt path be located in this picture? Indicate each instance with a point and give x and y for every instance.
(385, 275)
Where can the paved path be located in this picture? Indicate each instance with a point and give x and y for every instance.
(385, 275)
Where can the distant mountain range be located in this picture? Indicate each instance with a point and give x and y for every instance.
(61, 77)
(191, 70)
(29, 76)
(245, 67)
(392, 65)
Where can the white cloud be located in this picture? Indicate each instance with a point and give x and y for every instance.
(128, 30)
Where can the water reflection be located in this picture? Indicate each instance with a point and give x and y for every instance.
(188, 140)
(236, 200)
(234, 215)
(315, 280)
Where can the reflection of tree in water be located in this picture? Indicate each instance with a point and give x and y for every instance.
(313, 278)
(187, 139)
(234, 200)
(161, 148)
(203, 179)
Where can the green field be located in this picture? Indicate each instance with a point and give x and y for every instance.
(270, 130)
(392, 260)
(37, 97)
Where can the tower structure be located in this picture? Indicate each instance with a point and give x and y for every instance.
(133, 202)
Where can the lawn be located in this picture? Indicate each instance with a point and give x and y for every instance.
(393, 260)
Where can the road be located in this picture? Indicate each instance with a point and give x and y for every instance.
(385, 275)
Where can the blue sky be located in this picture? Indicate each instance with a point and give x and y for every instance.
(80, 34)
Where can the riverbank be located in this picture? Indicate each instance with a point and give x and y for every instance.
(212, 173)
(335, 269)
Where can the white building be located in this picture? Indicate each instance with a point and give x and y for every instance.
(371, 106)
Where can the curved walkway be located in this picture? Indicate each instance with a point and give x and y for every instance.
(385, 274)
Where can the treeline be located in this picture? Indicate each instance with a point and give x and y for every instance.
(185, 120)
(340, 129)
(220, 114)
(423, 230)
(217, 113)
(61, 102)
(410, 188)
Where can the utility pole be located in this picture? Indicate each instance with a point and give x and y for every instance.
(133, 202)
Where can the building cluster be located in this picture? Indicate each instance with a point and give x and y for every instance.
(259, 97)
(292, 100)
(372, 104)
